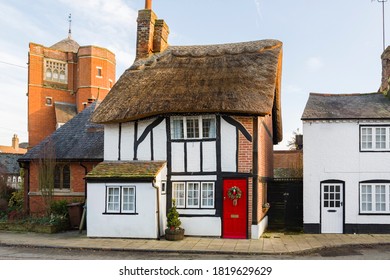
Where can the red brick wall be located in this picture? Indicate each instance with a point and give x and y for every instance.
(82, 84)
(77, 186)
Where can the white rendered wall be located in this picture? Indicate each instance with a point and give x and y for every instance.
(111, 141)
(193, 156)
(178, 157)
(331, 152)
(143, 225)
(127, 141)
(201, 226)
(209, 156)
(228, 147)
(160, 141)
(144, 148)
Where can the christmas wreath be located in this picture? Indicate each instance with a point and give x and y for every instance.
(234, 193)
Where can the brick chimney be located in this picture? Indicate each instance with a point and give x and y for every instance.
(385, 70)
(15, 142)
(152, 33)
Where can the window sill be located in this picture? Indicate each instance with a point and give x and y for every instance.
(112, 213)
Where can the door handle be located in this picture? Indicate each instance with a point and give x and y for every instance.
(332, 211)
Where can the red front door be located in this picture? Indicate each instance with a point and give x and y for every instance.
(234, 222)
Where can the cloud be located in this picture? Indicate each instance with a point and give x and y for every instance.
(314, 64)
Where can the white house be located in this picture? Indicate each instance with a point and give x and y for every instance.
(346, 163)
(196, 124)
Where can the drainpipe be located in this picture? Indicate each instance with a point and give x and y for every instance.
(158, 208)
(85, 181)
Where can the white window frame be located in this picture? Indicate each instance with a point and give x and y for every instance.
(193, 195)
(55, 66)
(371, 141)
(198, 133)
(179, 193)
(119, 199)
(191, 198)
(113, 200)
(373, 197)
(208, 195)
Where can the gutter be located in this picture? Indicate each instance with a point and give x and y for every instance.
(158, 208)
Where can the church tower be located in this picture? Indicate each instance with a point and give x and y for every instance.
(62, 80)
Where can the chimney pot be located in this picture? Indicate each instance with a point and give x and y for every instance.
(148, 4)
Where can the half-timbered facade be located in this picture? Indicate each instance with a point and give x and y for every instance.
(195, 124)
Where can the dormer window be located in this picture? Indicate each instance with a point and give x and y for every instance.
(55, 71)
(193, 127)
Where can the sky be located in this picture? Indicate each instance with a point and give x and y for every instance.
(329, 46)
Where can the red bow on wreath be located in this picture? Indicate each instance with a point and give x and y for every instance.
(234, 193)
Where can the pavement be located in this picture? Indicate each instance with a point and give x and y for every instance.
(270, 242)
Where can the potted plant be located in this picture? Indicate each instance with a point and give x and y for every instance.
(174, 231)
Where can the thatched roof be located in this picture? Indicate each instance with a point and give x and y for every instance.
(238, 78)
(347, 106)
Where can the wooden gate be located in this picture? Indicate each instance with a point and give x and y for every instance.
(286, 199)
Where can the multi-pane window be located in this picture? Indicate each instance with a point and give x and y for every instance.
(375, 138)
(62, 176)
(332, 196)
(120, 199)
(179, 193)
(207, 192)
(113, 202)
(55, 71)
(375, 198)
(194, 127)
(194, 194)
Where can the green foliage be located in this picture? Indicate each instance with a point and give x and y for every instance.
(16, 201)
(173, 220)
(59, 208)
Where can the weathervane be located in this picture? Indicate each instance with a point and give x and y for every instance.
(70, 26)
(383, 20)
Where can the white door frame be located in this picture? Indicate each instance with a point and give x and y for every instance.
(332, 207)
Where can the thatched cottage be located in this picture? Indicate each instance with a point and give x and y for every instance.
(195, 124)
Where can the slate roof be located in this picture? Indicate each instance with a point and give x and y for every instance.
(237, 78)
(126, 170)
(77, 140)
(9, 163)
(347, 106)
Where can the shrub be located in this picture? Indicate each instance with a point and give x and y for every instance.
(16, 201)
(173, 220)
(59, 208)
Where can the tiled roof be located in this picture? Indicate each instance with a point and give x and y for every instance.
(12, 150)
(66, 45)
(347, 106)
(78, 139)
(126, 169)
(9, 163)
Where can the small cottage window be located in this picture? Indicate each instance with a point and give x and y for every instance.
(375, 138)
(194, 127)
(207, 192)
(120, 199)
(194, 194)
(375, 198)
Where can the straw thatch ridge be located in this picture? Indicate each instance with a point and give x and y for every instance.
(238, 78)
